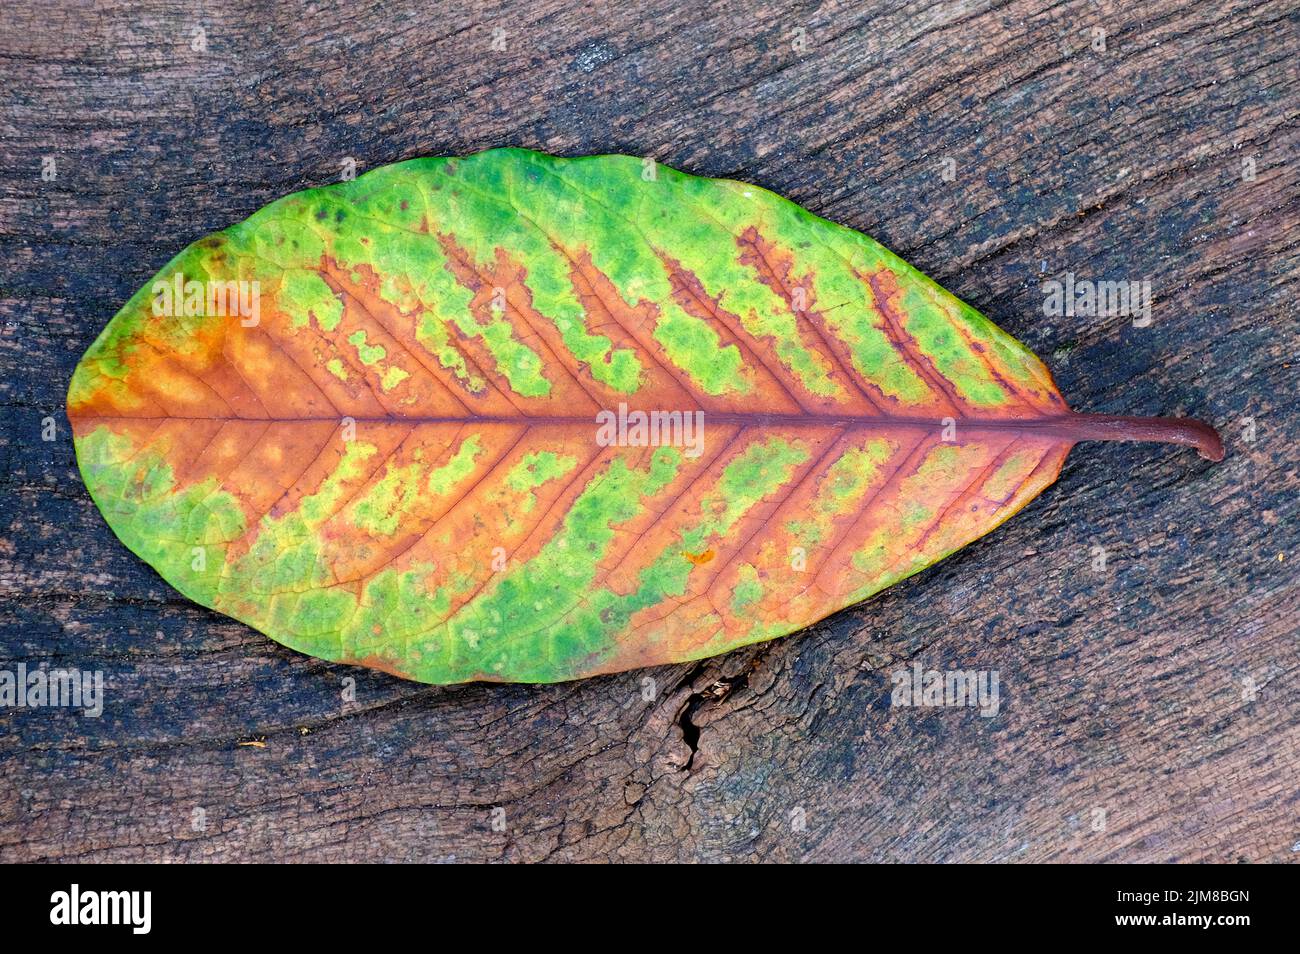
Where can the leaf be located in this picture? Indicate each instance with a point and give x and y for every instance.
(412, 443)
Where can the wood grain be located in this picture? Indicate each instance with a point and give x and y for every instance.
(1149, 711)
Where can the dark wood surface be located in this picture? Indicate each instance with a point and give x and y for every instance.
(1149, 711)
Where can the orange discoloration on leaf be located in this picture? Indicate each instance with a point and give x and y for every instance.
(763, 374)
(631, 326)
(500, 295)
(376, 661)
(774, 267)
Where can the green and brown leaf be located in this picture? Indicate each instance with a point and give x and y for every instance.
(399, 451)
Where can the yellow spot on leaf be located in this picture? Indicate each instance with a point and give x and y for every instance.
(392, 378)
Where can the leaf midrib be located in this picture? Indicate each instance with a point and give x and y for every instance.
(1059, 426)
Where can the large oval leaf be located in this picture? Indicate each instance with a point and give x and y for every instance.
(398, 421)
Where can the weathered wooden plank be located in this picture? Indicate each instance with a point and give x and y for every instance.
(1148, 710)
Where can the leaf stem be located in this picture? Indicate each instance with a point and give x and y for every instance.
(1167, 430)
